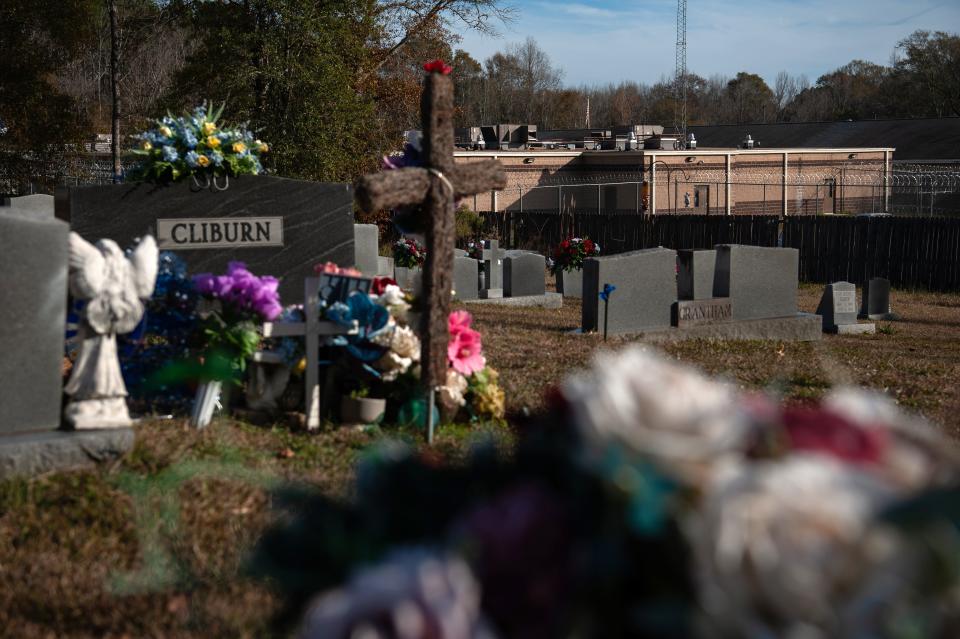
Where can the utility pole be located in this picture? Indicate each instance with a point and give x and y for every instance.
(680, 74)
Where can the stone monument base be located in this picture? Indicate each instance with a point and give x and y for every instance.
(855, 329)
(30, 454)
(802, 327)
(547, 300)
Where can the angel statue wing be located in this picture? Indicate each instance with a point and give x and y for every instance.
(145, 261)
(87, 268)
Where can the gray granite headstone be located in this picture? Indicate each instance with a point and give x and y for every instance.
(838, 306)
(570, 283)
(646, 284)
(760, 281)
(409, 279)
(695, 271)
(876, 300)
(385, 266)
(465, 278)
(33, 303)
(366, 247)
(39, 205)
(523, 274)
(307, 223)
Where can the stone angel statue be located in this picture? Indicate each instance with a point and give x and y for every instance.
(114, 287)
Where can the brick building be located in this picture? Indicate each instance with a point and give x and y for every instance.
(714, 181)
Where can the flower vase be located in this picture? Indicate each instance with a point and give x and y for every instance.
(570, 283)
(208, 395)
(361, 410)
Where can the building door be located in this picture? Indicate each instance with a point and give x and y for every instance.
(701, 199)
(830, 195)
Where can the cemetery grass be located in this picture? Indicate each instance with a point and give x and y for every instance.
(915, 361)
(156, 544)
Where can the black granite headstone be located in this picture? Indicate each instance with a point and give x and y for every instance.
(276, 226)
(695, 274)
(876, 300)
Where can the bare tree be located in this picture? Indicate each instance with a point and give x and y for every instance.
(407, 19)
(115, 92)
(784, 91)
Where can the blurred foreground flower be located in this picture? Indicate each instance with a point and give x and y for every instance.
(414, 594)
(664, 410)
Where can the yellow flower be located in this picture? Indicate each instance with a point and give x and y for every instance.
(301, 366)
(239, 147)
(213, 141)
(262, 146)
(166, 132)
(209, 128)
(203, 161)
(147, 146)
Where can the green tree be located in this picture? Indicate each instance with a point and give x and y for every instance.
(750, 98)
(36, 40)
(289, 68)
(932, 62)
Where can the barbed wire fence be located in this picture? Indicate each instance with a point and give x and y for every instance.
(911, 189)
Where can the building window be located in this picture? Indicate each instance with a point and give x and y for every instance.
(701, 195)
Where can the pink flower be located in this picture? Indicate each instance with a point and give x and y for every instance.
(458, 321)
(825, 432)
(332, 269)
(465, 352)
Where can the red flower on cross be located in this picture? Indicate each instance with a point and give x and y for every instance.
(437, 66)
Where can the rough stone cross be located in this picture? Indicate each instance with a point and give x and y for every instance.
(435, 186)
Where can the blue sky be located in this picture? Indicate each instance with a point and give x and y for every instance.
(601, 41)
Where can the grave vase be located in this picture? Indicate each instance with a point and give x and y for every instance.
(208, 396)
(570, 283)
(362, 410)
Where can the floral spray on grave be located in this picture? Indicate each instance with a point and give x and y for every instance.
(197, 146)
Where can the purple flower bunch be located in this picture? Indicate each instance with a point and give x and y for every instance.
(242, 290)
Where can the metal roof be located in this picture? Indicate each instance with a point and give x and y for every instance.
(920, 139)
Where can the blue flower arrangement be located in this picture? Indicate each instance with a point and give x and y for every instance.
(163, 337)
(195, 144)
